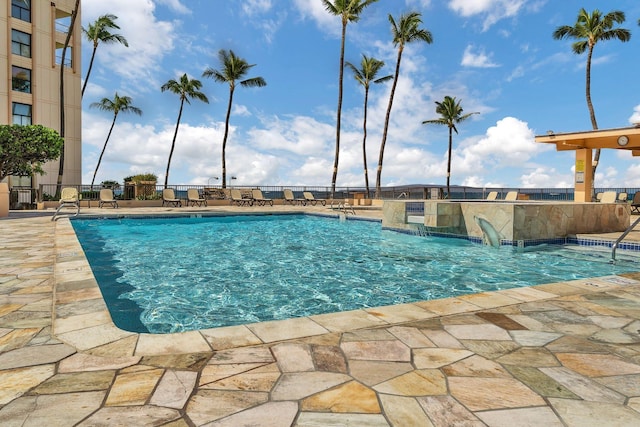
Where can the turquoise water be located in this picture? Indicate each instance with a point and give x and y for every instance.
(164, 275)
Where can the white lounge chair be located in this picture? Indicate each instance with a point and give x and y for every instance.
(169, 198)
(193, 198)
(256, 193)
(511, 196)
(608, 197)
(69, 198)
(493, 195)
(106, 198)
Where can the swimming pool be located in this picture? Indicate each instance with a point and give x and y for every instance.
(164, 275)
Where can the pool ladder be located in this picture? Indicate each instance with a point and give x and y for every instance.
(622, 236)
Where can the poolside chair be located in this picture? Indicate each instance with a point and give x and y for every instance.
(493, 195)
(635, 203)
(608, 197)
(193, 198)
(289, 198)
(309, 197)
(257, 196)
(106, 198)
(69, 198)
(169, 198)
(511, 196)
(622, 197)
(235, 196)
(598, 197)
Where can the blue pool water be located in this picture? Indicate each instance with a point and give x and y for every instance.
(164, 275)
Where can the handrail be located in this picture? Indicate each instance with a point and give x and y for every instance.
(622, 236)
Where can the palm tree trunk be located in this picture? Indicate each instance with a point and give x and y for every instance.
(386, 125)
(224, 139)
(173, 145)
(103, 149)
(339, 114)
(86, 79)
(67, 40)
(594, 123)
(364, 140)
(449, 164)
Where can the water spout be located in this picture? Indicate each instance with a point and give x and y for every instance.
(491, 236)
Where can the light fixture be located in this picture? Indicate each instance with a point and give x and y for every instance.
(623, 140)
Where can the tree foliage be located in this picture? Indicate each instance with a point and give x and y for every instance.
(23, 149)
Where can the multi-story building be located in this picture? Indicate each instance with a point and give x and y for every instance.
(32, 37)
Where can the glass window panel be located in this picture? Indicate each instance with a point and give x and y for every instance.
(21, 114)
(21, 9)
(21, 43)
(21, 79)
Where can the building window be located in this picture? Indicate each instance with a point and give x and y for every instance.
(21, 114)
(21, 9)
(21, 43)
(21, 79)
(68, 56)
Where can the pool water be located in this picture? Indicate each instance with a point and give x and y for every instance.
(164, 275)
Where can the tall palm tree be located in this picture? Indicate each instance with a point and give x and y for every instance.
(406, 30)
(186, 89)
(119, 104)
(450, 112)
(365, 75)
(233, 69)
(589, 29)
(348, 11)
(99, 31)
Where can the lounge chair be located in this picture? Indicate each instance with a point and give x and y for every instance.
(609, 197)
(511, 196)
(169, 198)
(256, 193)
(493, 195)
(598, 197)
(236, 197)
(635, 203)
(193, 198)
(69, 198)
(290, 198)
(106, 198)
(623, 197)
(309, 197)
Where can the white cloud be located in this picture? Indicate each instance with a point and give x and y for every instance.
(476, 60)
(635, 117)
(255, 7)
(316, 11)
(492, 10)
(175, 5)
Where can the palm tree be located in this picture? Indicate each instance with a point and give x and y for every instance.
(348, 11)
(185, 88)
(406, 30)
(97, 32)
(450, 113)
(589, 29)
(365, 75)
(119, 104)
(233, 68)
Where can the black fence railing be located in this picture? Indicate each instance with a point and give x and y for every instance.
(27, 198)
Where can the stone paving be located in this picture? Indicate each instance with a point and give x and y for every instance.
(561, 354)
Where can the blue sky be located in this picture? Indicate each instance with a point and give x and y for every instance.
(497, 56)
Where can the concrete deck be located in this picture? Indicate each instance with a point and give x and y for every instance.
(561, 354)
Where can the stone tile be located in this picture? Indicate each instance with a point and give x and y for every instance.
(295, 386)
(54, 410)
(491, 349)
(185, 342)
(521, 417)
(347, 320)
(594, 414)
(293, 357)
(378, 334)
(597, 365)
(476, 366)
(412, 337)
(242, 355)
(230, 337)
(404, 411)
(16, 338)
(74, 323)
(37, 355)
(174, 389)
(182, 362)
(425, 382)
(372, 372)
(96, 336)
(82, 362)
(442, 338)
(329, 358)
(634, 403)
(270, 414)
(628, 385)
(584, 387)
(443, 307)
(445, 411)
(131, 416)
(575, 344)
(207, 406)
(76, 382)
(390, 351)
(489, 299)
(281, 330)
(529, 356)
(542, 384)
(615, 336)
(348, 397)
(527, 294)
(505, 393)
(478, 332)
(16, 382)
(400, 313)
(259, 379)
(133, 389)
(530, 323)
(533, 338)
(501, 320)
(610, 322)
(318, 419)
(430, 358)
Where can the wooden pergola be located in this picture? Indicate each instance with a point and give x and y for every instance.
(583, 143)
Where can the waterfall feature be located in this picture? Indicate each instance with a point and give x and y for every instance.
(491, 236)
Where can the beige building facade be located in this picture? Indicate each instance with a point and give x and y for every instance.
(32, 36)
